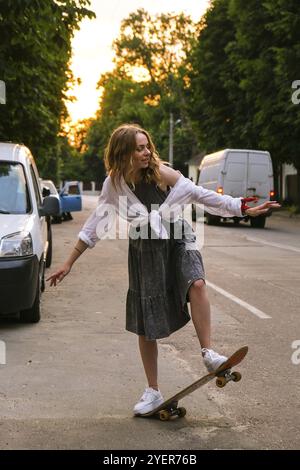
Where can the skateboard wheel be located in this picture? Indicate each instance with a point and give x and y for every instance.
(181, 412)
(164, 415)
(221, 382)
(236, 376)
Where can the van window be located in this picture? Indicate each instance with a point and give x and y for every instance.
(14, 195)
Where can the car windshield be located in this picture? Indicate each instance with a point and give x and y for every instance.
(14, 197)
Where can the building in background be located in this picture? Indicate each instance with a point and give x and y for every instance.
(289, 184)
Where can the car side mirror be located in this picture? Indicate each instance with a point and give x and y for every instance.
(50, 206)
(46, 192)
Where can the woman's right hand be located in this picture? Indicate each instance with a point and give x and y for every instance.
(59, 275)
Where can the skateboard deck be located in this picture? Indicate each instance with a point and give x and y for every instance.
(169, 408)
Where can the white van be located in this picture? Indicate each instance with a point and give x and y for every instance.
(24, 233)
(239, 173)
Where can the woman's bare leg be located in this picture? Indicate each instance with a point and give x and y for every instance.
(200, 309)
(149, 354)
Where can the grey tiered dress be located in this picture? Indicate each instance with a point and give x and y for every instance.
(161, 272)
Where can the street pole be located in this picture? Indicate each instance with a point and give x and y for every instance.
(171, 140)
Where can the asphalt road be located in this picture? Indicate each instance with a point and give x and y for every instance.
(70, 381)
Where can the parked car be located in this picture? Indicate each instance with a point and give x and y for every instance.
(24, 233)
(239, 173)
(70, 198)
(49, 189)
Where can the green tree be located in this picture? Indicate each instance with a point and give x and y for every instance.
(154, 46)
(71, 163)
(266, 57)
(146, 85)
(243, 65)
(212, 107)
(35, 50)
(284, 25)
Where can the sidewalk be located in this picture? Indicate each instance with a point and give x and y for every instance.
(284, 213)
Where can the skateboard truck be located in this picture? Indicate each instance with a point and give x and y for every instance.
(226, 377)
(172, 411)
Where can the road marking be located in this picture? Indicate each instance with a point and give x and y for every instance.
(277, 245)
(235, 299)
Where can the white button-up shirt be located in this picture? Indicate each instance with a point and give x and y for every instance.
(120, 200)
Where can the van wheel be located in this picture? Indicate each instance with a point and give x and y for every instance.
(49, 252)
(33, 314)
(258, 222)
(212, 219)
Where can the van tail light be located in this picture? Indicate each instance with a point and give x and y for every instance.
(220, 190)
(272, 194)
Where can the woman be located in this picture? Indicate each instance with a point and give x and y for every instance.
(165, 271)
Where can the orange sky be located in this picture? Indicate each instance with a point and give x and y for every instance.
(92, 53)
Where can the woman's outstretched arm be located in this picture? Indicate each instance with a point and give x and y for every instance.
(217, 204)
(66, 267)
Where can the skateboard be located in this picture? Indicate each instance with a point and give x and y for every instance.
(169, 408)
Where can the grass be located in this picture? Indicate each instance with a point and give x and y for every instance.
(293, 210)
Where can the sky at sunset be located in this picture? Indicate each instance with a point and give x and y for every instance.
(92, 52)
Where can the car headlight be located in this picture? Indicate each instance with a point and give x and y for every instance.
(16, 244)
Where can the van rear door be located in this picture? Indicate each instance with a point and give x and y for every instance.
(235, 174)
(258, 183)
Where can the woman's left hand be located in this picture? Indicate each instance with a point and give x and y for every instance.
(262, 208)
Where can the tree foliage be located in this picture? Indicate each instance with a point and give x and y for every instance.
(156, 45)
(210, 106)
(146, 85)
(35, 50)
(243, 65)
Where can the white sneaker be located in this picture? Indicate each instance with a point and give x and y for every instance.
(212, 360)
(150, 399)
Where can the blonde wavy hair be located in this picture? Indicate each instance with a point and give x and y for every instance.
(118, 157)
